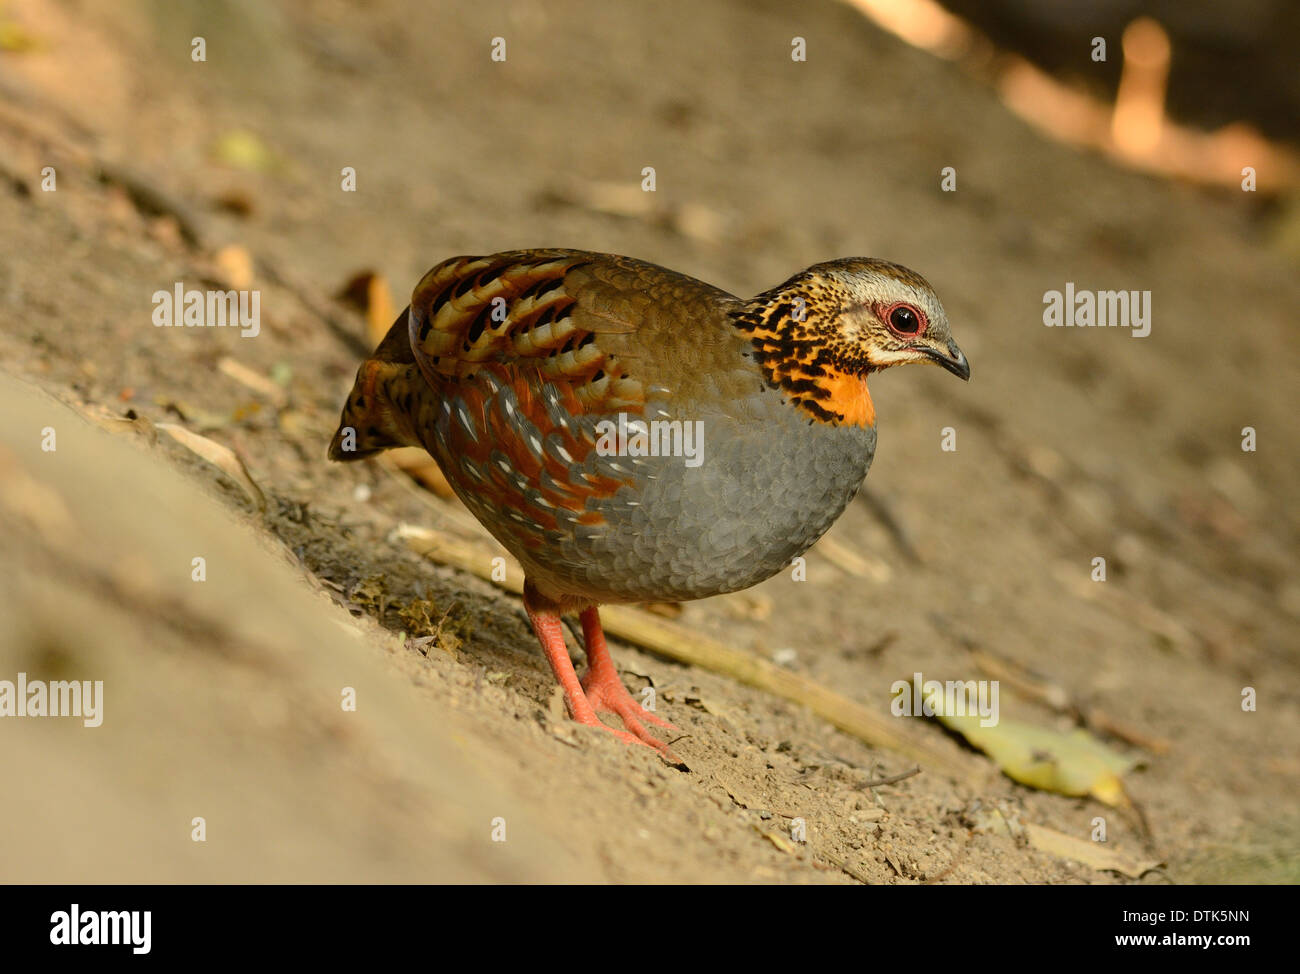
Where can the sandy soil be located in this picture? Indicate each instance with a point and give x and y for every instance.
(222, 698)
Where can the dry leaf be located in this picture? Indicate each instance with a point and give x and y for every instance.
(750, 606)
(221, 457)
(669, 610)
(856, 563)
(254, 380)
(113, 423)
(1069, 764)
(416, 463)
(379, 308)
(996, 820)
(369, 293)
(1098, 855)
(235, 265)
(778, 840)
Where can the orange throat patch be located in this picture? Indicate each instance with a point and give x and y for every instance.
(848, 398)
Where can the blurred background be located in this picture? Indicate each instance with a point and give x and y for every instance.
(326, 153)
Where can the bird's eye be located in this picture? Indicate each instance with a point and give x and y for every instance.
(905, 320)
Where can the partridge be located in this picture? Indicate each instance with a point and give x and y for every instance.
(633, 434)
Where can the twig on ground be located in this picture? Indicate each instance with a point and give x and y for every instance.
(892, 779)
(673, 641)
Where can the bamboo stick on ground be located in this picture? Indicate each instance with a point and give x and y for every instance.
(676, 642)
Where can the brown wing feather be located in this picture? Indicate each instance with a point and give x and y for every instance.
(607, 327)
(505, 361)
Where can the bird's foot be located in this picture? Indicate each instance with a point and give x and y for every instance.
(645, 739)
(605, 691)
(600, 689)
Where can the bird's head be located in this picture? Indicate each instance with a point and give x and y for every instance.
(880, 314)
(824, 330)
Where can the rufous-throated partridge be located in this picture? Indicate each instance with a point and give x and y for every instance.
(632, 434)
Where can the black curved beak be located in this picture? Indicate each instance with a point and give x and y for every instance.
(952, 359)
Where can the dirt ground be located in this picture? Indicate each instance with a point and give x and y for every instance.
(222, 698)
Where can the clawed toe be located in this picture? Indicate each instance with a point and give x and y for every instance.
(613, 697)
(635, 733)
(600, 689)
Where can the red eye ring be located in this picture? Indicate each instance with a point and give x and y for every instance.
(904, 320)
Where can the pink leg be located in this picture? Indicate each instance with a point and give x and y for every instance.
(605, 691)
(547, 626)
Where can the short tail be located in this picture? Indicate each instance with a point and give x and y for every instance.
(379, 413)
